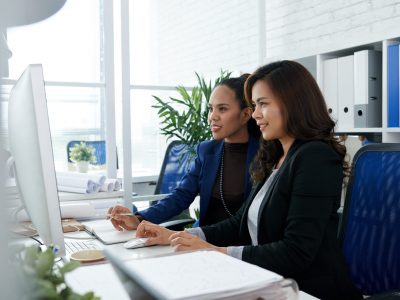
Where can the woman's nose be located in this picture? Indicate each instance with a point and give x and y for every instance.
(256, 113)
(212, 115)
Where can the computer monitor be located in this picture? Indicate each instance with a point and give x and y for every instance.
(31, 147)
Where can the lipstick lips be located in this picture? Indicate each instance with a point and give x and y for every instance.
(262, 125)
(215, 127)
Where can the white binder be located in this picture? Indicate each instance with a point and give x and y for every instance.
(367, 89)
(330, 86)
(345, 93)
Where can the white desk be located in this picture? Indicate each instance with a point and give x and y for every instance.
(104, 282)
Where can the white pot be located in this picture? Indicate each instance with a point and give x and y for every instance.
(82, 166)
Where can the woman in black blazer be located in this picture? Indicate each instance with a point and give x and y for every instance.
(289, 222)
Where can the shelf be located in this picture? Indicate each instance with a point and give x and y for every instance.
(395, 130)
(64, 196)
(359, 130)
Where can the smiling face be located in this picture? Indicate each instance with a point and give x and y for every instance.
(268, 112)
(227, 120)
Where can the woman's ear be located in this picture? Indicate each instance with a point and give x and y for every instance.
(247, 112)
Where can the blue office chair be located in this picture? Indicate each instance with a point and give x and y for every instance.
(370, 229)
(100, 151)
(175, 164)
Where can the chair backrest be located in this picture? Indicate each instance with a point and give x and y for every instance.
(175, 164)
(370, 230)
(100, 150)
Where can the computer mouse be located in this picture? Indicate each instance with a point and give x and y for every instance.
(136, 243)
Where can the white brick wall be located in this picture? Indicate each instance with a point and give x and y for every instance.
(204, 36)
(299, 28)
(208, 35)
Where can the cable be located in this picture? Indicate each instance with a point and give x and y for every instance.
(37, 240)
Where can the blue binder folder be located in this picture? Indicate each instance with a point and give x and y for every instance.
(393, 86)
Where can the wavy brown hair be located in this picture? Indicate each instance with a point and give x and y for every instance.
(304, 112)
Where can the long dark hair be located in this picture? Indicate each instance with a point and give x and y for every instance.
(236, 84)
(304, 112)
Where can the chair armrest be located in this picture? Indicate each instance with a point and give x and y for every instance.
(392, 295)
(177, 224)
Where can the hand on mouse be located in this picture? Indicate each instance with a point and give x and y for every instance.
(120, 220)
(184, 241)
(157, 235)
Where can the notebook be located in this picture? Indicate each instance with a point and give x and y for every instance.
(104, 231)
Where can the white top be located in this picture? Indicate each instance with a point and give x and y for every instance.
(252, 217)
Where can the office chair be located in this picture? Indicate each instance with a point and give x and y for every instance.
(100, 153)
(370, 229)
(175, 164)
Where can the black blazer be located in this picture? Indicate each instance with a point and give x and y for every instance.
(297, 223)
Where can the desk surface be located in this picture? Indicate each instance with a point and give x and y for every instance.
(104, 282)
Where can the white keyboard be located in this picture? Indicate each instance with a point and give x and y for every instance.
(74, 246)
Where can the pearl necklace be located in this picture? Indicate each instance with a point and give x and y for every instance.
(221, 182)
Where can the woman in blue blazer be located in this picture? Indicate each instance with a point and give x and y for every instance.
(219, 174)
(289, 222)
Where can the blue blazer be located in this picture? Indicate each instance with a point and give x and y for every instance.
(198, 181)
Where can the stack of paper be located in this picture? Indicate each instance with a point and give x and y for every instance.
(79, 183)
(77, 210)
(85, 183)
(206, 275)
(110, 185)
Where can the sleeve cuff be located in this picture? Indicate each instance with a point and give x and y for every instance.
(197, 231)
(139, 216)
(235, 251)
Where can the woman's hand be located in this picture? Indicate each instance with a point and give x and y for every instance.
(157, 235)
(183, 241)
(120, 220)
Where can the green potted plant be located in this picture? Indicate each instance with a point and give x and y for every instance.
(82, 155)
(41, 277)
(186, 118)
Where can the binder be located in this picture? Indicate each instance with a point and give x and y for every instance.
(393, 86)
(367, 89)
(330, 86)
(345, 92)
(203, 274)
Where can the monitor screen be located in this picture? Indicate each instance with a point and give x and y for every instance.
(31, 147)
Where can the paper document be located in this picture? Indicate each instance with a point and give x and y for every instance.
(76, 210)
(80, 182)
(106, 233)
(84, 280)
(205, 275)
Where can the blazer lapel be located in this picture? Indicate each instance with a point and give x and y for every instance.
(211, 166)
(250, 198)
(292, 150)
(252, 149)
(267, 197)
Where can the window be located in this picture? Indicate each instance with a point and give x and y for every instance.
(69, 46)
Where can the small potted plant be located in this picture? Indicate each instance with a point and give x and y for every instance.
(40, 276)
(82, 155)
